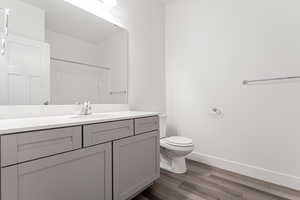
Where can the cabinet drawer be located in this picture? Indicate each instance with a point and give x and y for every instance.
(99, 133)
(148, 124)
(32, 145)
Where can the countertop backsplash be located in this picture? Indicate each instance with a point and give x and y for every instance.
(13, 112)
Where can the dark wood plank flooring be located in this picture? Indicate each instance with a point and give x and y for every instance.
(203, 182)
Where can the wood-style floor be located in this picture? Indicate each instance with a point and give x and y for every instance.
(203, 182)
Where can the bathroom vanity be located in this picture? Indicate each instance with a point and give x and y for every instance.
(96, 157)
(49, 64)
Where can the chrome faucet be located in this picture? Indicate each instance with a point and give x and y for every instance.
(85, 108)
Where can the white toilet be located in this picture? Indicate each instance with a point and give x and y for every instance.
(173, 150)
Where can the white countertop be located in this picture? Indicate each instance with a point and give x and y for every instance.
(8, 126)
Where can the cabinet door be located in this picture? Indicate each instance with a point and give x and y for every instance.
(79, 175)
(136, 164)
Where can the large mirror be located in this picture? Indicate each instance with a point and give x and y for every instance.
(81, 57)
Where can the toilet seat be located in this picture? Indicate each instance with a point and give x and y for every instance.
(176, 148)
(177, 144)
(178, 141)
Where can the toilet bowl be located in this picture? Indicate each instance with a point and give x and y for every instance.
(173, 150)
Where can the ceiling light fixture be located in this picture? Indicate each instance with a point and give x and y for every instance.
(93, 4)
(109, 4)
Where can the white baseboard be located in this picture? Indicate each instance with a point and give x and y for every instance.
(248, 170)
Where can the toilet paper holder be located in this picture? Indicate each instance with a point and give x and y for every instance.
(216, 111)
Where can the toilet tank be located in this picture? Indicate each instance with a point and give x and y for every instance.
(163, 125)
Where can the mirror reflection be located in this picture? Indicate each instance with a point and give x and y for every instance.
(68, 56)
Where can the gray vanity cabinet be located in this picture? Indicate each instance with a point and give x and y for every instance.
(78, 175)
(102, 161)
(136, 164)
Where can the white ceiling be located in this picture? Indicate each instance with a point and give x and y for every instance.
(64, 18)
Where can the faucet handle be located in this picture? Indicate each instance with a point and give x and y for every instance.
(89, 107)
(78, 108)
(85, 108)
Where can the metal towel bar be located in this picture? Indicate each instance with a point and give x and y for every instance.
(79, 63)
(245, 82)
(118, 92)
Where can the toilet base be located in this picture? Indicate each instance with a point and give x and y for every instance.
(176, 165)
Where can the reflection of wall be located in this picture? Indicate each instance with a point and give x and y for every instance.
(72, 83)
(144, 20)
(114, 54)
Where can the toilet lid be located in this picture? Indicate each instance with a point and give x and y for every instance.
(179, 141)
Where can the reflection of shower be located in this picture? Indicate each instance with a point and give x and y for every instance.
(4, 32)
